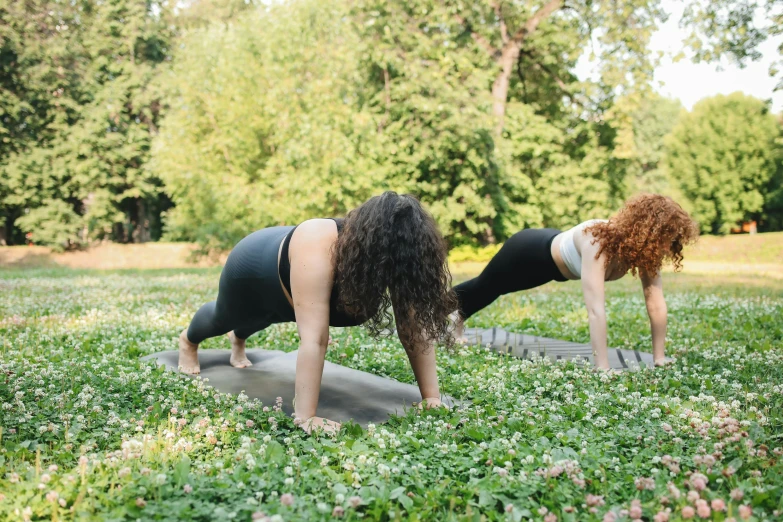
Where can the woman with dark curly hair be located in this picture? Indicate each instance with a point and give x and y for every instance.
(335, 272)
(649, 230)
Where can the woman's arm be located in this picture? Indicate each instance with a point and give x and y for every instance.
(593, 280)
(312, 275)
(652, 286)
(421, 354)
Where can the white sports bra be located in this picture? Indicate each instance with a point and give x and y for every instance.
(571, 257)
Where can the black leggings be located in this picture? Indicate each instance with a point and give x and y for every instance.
(250, 296)
(524, 262)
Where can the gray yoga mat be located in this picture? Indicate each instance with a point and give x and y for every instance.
(345, 393)
(526, 346)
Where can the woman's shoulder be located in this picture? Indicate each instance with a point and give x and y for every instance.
(315, 231)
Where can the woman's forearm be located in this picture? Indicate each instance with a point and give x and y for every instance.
(658, 320)
(309, 370)
(423, 363)
(597, 323)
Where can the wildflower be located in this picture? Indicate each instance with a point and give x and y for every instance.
(52, 496)
(551, 517)
(338, 511)
(542, 510)
(355, 502)
(594, 500)
(259, 515)
(688, 512)
(703, 509)
(643, 483)
(745, 512)
(140, 502)
(636, 509)
(610, 516)
(718, 504)
(287, 499)
(661, 516)
(693, 496)
(699, 481)
(187, 488)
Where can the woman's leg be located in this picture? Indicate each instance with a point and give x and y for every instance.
(522, 263)
(249, 294)
(208, 322)
(238, 337)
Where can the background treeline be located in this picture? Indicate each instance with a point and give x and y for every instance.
(132, 120)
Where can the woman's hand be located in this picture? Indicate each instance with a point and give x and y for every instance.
(318, 423)
(432, 402)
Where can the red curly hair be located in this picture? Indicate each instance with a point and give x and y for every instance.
(649, 230)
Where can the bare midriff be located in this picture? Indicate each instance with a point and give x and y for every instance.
(555, 251)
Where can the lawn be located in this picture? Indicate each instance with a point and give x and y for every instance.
(90, 432)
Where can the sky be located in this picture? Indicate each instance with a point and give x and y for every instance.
(691, 82)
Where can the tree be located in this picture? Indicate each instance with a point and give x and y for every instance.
(772, 217)
(734, 28)
(81, 112)
(265, 125)
(723, 156)
(652, 122)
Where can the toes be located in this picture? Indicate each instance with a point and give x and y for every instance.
(241, 364)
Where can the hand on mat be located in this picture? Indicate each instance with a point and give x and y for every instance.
(432, 402)
(315, 423)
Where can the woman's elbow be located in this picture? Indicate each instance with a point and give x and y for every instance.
(596, 313)
(657, 310)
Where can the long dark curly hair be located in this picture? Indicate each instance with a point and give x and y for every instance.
(391, 251)
(649, 230)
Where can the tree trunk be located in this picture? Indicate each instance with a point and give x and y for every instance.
(500, 86)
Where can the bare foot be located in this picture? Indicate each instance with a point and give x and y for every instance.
(238, 357)
(666, 361)
(188, 355)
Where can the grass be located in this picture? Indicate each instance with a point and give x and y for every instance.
(740, 248)
(89, 432)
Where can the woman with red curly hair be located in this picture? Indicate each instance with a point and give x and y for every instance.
(648, 231)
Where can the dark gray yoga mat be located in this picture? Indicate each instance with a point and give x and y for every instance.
(345, 393)
(526, 346)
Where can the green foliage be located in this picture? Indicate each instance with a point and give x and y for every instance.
(83, 112)
(723, 157)
(264, 126)
(305, 109)
(55, 223)
(245, 113)
(473, 254)
(734, 28)
(91, 432)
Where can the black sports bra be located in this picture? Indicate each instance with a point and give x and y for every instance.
(337, 317)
